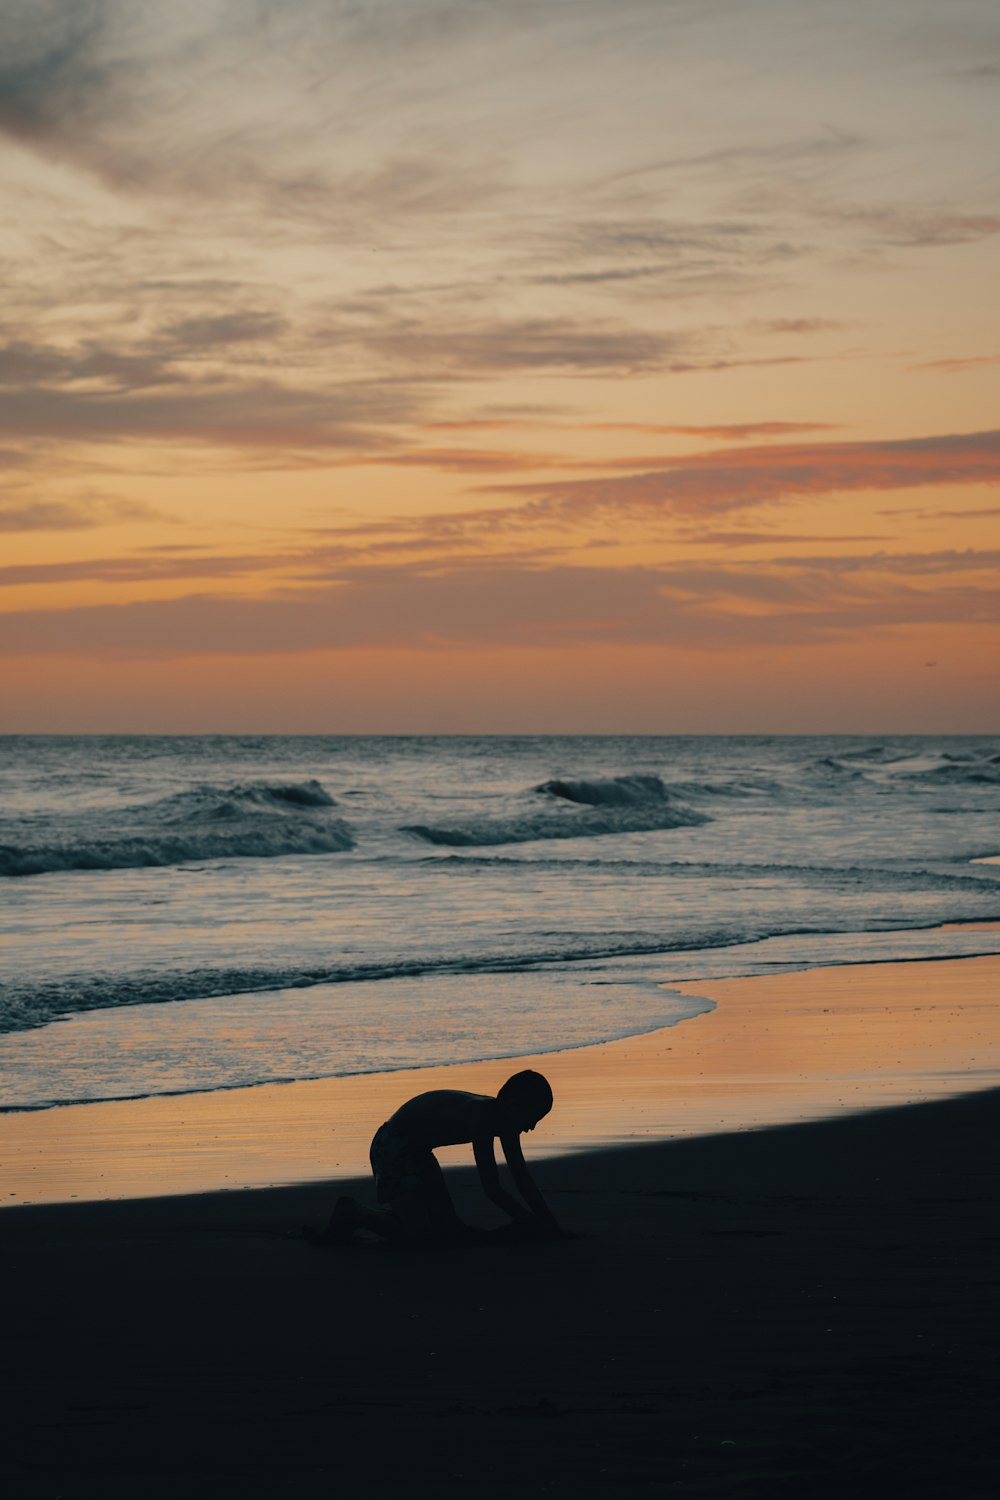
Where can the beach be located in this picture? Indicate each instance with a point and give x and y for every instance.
(795, 1309)
(766, 1050)
(499, 648)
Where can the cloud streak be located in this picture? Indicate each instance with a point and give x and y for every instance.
(31, 514)
(700, 606)
(741, 479)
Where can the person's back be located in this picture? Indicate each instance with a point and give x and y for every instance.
(444, 1117)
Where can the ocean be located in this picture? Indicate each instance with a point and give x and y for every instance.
(183, 913)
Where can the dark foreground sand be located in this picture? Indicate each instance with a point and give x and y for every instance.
(803, 1311)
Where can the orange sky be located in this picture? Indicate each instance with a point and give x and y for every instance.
(439, 366)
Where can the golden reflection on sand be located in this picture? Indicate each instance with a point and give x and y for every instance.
(777, 1049)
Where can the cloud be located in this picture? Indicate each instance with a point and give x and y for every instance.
(291, 231)
(214, 330)
(136, 569)
(915, 564)
(499, 461)
(916, 227)
(769, 155)
(987, 72)
(134, 361)
(69, 515)
(799, 325)
(24, 364)
(952, 366)
(746, 538)
(528, 344)
(727, 431)
(739, 479)
(207, 378)
(434, 607)
(189, 379)
(55, 71)
(631, 256)
(969, 515)
(448, 347)
(254, 415)
(242, 105)
(476, 460)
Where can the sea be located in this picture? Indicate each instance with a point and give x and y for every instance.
(188, 913)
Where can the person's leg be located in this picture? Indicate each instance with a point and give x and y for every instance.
(424, 1212)
(438, 1211)
(415, 1205)
(350, 1215)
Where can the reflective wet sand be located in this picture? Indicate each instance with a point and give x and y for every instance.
(776, 1049)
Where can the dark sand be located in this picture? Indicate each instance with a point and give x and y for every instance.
(803, 1311)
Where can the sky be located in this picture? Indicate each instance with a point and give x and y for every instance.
(499, 366)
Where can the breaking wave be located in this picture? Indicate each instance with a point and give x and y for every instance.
(581, 809)
(940, 769)
(951, 769)
(233, 801)
(255, 820)
(613, 791)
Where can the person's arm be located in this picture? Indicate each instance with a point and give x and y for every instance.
(486, 1163)
(525, 1183)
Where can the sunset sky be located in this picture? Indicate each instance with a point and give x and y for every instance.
(500, 365)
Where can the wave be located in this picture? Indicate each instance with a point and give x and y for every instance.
(541, 827)
(872, 877)
(612, 791)
(933, 769)
(230, 802)
(254, 820)
(645, 790)
(578, 809)
(841, 766)
(951, 771)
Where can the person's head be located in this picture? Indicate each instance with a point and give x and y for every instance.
(525, 1098)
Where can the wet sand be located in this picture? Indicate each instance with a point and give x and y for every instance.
(775, 1049)
(807, 1310)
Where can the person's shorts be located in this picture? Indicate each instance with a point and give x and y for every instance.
(400, 1169)
(408, 1181)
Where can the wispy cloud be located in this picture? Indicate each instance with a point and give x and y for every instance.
(724, 431)
(739, 479)
(136, 569)
(531, 344)
(22, 512)
(698, 605)
(255, 415)
(953, 366)
(914, 226)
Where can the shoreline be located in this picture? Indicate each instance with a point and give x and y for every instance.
(782, 1048)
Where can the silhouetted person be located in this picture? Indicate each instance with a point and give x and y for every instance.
(410, 1186)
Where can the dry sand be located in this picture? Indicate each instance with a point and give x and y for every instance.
(805, 1311)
